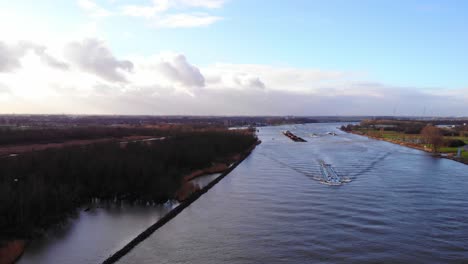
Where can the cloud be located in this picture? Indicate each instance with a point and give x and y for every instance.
(157, 12)
(4, 89)
(146, 10)
(162, 13)
(10, 56)
(90, 79)
(202, 3)
(53, 62)
(93, 9)
(160, 6)
(92, 56)
(177, 69)
(242, 76)
(186, 20)
(261, 102)
(46, 58)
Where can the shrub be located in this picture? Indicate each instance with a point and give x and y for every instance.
(454, 143)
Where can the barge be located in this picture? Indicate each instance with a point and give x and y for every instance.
(293, 137)
(330, 176)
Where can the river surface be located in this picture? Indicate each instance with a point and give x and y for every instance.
(91, 236)
(401, 206)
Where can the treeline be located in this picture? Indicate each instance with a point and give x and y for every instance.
(407, 127)
(431, 134)
(38, 189)
(14, 136)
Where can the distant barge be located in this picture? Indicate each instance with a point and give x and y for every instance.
(293, 137)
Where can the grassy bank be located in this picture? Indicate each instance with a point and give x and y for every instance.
(413, 141)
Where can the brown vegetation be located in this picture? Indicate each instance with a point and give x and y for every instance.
(433, 136)
(445, 139)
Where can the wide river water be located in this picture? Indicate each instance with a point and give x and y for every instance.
(401, 206)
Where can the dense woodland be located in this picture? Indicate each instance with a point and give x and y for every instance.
(41, 188)
(14, 136)
(41, 121)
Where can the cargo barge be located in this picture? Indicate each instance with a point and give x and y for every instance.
(293, 137)
(329, 175)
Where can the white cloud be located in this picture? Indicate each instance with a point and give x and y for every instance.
(161, 13)
(146, 10)
(45, 57)
(92, 56)
(238, 76)
(177, 69)
(159, 6)
(186, 20)
(10, 56)
(95, 81)
(158, 12)
(4, 89)
(93, 9)
(202, 3)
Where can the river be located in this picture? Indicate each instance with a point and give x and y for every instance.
(401, 206)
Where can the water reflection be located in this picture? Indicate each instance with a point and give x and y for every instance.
(91, 236)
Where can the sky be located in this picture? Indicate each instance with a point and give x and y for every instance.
(234, 57)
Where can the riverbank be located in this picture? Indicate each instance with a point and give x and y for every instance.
(409, 145)
(184, 204)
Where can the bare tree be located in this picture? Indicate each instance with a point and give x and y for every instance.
(433, 136)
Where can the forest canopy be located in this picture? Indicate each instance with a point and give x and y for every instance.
(40, 188)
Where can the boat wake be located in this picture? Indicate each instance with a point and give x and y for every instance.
(329, 175)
